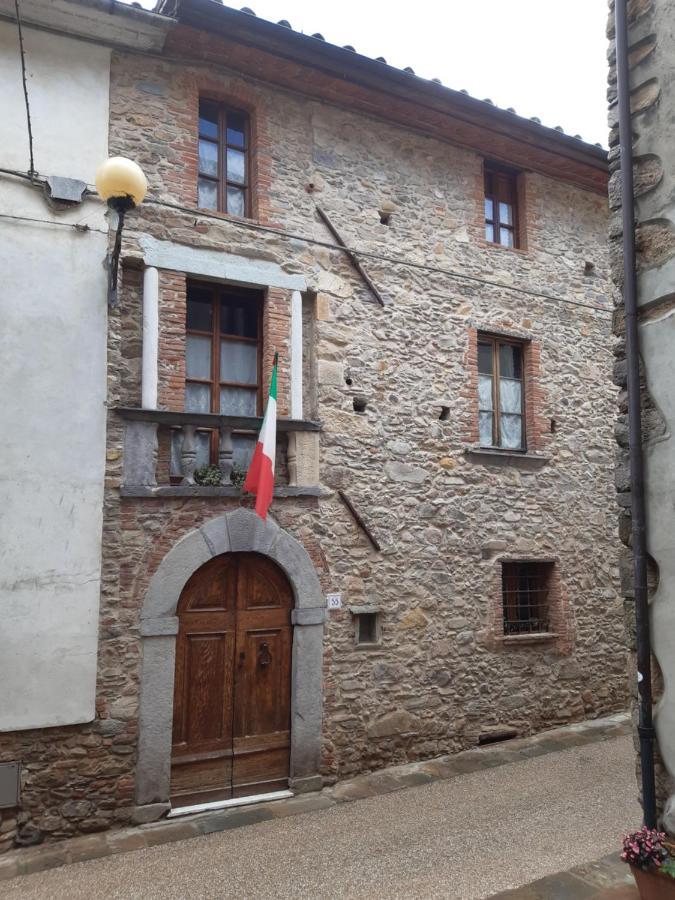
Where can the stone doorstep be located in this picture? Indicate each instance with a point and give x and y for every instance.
(396, 778)
(603, 879)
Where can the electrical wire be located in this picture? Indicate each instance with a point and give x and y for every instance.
(31, 171)
(76, 225)
(328, 245)
(368, 254)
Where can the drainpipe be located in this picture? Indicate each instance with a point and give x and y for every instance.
(645, 725)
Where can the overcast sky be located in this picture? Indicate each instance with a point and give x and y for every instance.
(546, 58)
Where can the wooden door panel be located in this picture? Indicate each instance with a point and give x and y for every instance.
(232, 690)
(195, 780)
(262, 702)
(208, 713)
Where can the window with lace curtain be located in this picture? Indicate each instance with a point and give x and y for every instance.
(500, 393)
(224, 169)
(223, 343)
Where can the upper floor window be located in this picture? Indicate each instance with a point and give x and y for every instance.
(500, 393)
(223, 362)
(501, 206)
(223, 159)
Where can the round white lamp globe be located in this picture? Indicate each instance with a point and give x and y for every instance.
(119, 177)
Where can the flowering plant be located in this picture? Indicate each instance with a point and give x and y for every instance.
(644, 849)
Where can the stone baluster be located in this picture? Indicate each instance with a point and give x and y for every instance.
(292, 459)
(188, 454)
(225, 453)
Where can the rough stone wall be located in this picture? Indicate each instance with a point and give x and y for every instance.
(651, 49)
(445, 519)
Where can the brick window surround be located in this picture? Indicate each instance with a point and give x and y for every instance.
(526, 225)
(536, 425)
(560, 617)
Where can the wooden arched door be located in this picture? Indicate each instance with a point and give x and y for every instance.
(232, 691)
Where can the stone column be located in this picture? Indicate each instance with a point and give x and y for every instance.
(150, 338)
(296, 355)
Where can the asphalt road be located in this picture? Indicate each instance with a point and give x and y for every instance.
(464, 838)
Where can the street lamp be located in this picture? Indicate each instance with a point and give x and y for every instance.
(122, 184)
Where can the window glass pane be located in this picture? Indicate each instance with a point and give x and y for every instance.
(510, 395)
(485, 428)
(236, 205)
(511, 432)
(506, 237)
(197, 398)
(510, 359)
(236, 401)
(505, 214)
(199, 313)
(208, 119)
(197, 357)
(489, 208)
(236, 166)
(243, 446)
(485, 392)
(239, 362)
(489, 182)
(485, 358)
(208, 158)
(490, 233)
(239, 317)
(208, 194)
(236, 129)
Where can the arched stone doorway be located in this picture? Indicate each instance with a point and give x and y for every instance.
(240, 531)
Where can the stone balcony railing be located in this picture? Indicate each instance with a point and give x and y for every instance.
(149, 434)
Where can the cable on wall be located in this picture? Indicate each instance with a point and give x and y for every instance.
(368, 254)
(31, 171)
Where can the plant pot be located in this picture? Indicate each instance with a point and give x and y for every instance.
(653, 886)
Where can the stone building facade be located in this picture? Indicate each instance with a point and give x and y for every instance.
(389, 490)
(651, 41)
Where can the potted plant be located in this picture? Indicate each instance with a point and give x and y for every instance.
(653, 867)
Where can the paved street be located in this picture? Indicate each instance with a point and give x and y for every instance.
(466, 837)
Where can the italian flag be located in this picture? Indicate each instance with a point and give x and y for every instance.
(260, 475)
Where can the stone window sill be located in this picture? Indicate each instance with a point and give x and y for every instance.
(492, 245)
(201, 490)
(516, 640)
(522, 460)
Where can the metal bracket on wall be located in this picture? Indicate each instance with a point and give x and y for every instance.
(353, 259)
(359, 521)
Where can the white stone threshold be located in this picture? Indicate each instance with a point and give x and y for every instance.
(228, 804)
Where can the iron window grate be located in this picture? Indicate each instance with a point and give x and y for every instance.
(526, 588)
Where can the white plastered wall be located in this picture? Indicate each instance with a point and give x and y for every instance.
(52, 384)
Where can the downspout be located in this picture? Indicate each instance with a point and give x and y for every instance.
(645, 725)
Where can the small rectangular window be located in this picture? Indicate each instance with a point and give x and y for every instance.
(224, 176)
(526, 588)
(501, 206)
(500, 393)
(367, 626)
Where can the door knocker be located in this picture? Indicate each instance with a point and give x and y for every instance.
(264, 655)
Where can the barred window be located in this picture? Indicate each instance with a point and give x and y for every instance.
(526, 594)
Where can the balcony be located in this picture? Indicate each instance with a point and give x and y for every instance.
(161, 453)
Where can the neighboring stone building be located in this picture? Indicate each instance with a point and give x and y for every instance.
(445, 441)
(651, 38)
